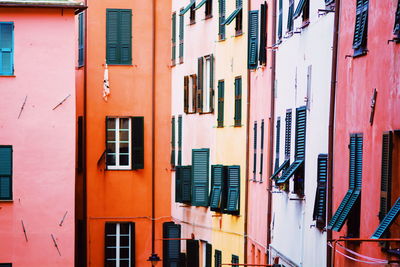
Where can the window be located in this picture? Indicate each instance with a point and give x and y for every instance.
(396, 28)
(217, 258)
(180, 140)
(349, 208)
(200, 175)
(238, 102)
(290, 16)
(6, 48)
(361, 28)
(208, 8)
(221, 95)
(221, 28)
(235, 259)
(183, 184)
(233, 189)
(80, 147)
(253, 39)
(81, 39)
(236, 14)
(205, 84)
(120, 244)
(280, 20)
(173, 142)
(171, 248)
(192, 15)
(192, 251)
(263, 34)
(181, 37)
(255, 151)
(319, 214)
(309, 93)
(303, 8)
(119, 36)
(205, 253)
(6, 167)
(262, 151)
(386, 175)
(124, 143)
(173, 39)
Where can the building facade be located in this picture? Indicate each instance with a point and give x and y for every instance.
(37, 122)
(366, 145)
(302, 98)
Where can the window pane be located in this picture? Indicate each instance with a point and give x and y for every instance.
(124, 253)
(124, 228)
(124, 263)
(123, 147)
(111, 263)
(110, 159)
(124, 135)
(110, 147)
(111, 241)
(111, 135)
(110, 123)
(124, 123)
(111, 253)
(124, 160)
(124, 241)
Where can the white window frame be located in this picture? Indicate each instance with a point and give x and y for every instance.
(117, 142)
(118, 235)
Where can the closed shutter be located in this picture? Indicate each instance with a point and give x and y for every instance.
(186, 180)
(208, 254)
(277, 142)
(235, 259)
(233, 177)
(288, 133)
(262, 151)
(81, 39)
(238, 101)
(211, 83)
(178, 184)
(119, 36)
(173, 141)
(181, 37)
(253, 39)
(221, 28)
(113, 51)
(300, 142)
(173, 39)
(280, 20)
(126, 36)
(299, 8)
(171, 248)
(192, 251)
(200, 79)
(186, 94)
(6, 48)
(217, 179)
(386, 175)
(6, 166)
(179, 140)
(396, 28)
(361, 27)
(194, 93)
(254, 151)
(289, 25)
(319, 213)
(263, 34)
(217, 258)
(221, 93)
(200, 176)
(137, 143)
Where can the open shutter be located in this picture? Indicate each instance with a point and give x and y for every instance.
(319, 213)
(6, 172)
(262, 151)
(113, 48)
(217, 177)
(132, 244)
(137, 143)
(171, 248)
(186, 180)
(222, 10)
(200, 174)
(289, 172)
(290, 16)
(386, 175)
(173, 39)
(173, 141)
(192, 251)
(253, 39)
(300, 142)
(263, 34)
(178, 184)
(388, 220)
(179, 140)
(217, 258)
(238, 102)
(81, 39)
(396, 28)
(221, 92)
(233, 176)
(277, 142)
(181, 37)
(186, 94)
(288, 133)
(6, 48)
(361, 27)
(254, 150)
(211, 83)
(194, 94)
(280, 20)
(208, 254)
(126, 36)
(200, 79)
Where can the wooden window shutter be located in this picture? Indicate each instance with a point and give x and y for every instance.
(277, 142)
(319, 213)
(186, 183)
(263, 34)
(178, 184)
(192, 251)
(280, 20)
(133, 242)
(200, 176)
(194, 94)
(288, 133)
(361, 28)
(221, 92)
(387, 221)
(300, 141)
(217, 184)
(126, 36)
(262, 151)
(208, 254)
(81, 43)
(235, 259)
(233, 176)
(186, 94)
(396, 28)
(7, 48)
(289, 27)
(6, 167)
(181, 37)
(386, 175)
(119, 36)
(173, 141)
(173, 39)
(179, 140)
(253, 39)
(238, 102)
(171, 248)
(217, 258)
(254, 150)
(137, 143)
(200, 80)
(211, 83)
(222, 9)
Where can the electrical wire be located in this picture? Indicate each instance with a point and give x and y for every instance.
(357, 260)
(362, 256)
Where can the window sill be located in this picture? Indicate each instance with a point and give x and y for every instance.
(221, 39)
(7, 76)
(360, 52)
(305, 24)
(6, 200)
(238, 34)
(208, 17)
(205, 113)
(128, 65)
(192, 23)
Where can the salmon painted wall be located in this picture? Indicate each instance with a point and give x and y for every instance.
(260, 109)
(126, 195)
(357, 78)
(43, 139)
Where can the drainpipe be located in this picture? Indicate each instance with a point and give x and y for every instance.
(331, 126)
(271, 129)
(85, 224)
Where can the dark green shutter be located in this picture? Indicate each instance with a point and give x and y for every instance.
(200, 177)
(200, 79)
(253, 39)
(186, 180)
(119, 36)
(137, 143)
(179, 140)
(277, 142)
(217, 178)
(222, 9)
(186, 94)
(211, 83)
(263, 34)
(178, 184)
(235, 259)
(262, 151)
(182, 260)
(290, 16)
(280, 168)
(233, 185)
(386, 175)
(173, 39)
(6, 166)
(319, 213)
(126, 36)
(290, 171)
(238, 101)
(396, 28)
(221, 92)
(299, 8)
(171, 248)
(361, 27)
(387, 221)
(181, 37)
(300, 141)
(217, 258)
(81, 39)
(6, 48)
(208, 254)
(288, 133)
(173, 141)
(192, 251)
(280, 20)
(254, 151)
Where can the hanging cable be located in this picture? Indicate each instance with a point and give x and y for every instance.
(357, 260)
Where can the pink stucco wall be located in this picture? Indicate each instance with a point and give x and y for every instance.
(43, 139)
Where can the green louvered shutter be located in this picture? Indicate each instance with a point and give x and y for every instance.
(254, 151)
(119, 36)
(81, 43)
(221, 93)
(200, 79)
(200, 177)
(388, 220)
(6, 48)
(263, 34)
(192, 251)
(211, 108)
(288, 133)
(277, 142)
(6, 166)
(290, 16)
(386, 175)
(238, 101)
(173, 141)
(222, 9)
(137, 143)
(253, 39)
(171, 248)
(181, 37)
(113, 24)
(178, 184)
(300, 141)
(262, 151)
(179, 140)
(396, 28)
(126, 36)
(217, 258)
(173, 39)
(319, 213)
(217, 177)
(186, 180)
(233, 185)
(235, 259)
(280, 20)
(208, 254)
(361, 28)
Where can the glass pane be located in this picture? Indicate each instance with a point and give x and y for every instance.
(124, 135)
(124, 253)
(111, 135)
(110, 147)
(111, 253)
(124, 160)
(124, 228)
(111, 241)
(111, 123)
(124, 123)
(123, 147)
(111, 263)
(124, 241)
(124, 263)
(110, 159)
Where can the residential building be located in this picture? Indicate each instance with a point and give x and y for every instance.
(366, 145)
(124, 186)
(302, 101)
(37, 137)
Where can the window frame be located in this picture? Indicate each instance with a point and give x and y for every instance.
(117, 141)
(118, 247)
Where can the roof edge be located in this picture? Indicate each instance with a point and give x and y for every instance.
(79, 6)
